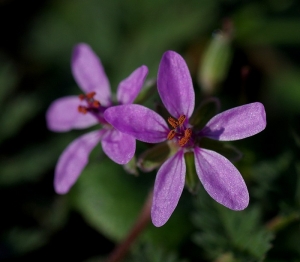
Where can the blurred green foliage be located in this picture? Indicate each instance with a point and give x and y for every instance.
(261, 62)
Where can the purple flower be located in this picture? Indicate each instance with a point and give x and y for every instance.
(73, 112)
(219, 177)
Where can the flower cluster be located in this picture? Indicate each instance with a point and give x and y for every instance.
(128, 121)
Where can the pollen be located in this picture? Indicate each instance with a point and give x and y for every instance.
(179, 130)
(81, 97)
(90, 95)
(187, 135)
(181, 120)
(171, 134)
(96, 103)
(82, 109)
(175, 123)
(92, 103)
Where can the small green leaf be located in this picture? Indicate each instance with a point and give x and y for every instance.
(222, 230)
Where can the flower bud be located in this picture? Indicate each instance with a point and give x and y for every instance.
(215, 62)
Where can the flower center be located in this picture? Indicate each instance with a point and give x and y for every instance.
(93, 105)
(179, 130)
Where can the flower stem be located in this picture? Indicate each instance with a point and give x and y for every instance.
(279, 222)
(142, 221)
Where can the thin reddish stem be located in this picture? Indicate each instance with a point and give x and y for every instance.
(142, 221)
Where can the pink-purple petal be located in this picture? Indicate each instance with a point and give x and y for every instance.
(220, 178)
(62, 115)
(175, 85)
(118, 146)
(73, 160)
(138, 121)
(169, 184)
(89, 73)
(130, 87)
(236, 123)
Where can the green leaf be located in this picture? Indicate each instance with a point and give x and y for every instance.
(110, 201)
(222, 230)
(266, 172)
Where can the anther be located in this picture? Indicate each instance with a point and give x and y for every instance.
(81, 97)
(186, 137)
(96, 103)
(92, 103)
(181, 120)
(175, 123)
(90, 95)
(171, 135)
(82, 109)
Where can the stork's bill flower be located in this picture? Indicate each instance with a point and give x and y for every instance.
(220, 178)
(86, 110)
